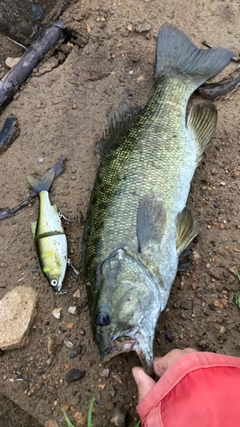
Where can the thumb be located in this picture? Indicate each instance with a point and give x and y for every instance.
(143, 381)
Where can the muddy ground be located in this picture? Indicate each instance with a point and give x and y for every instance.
(61, 110)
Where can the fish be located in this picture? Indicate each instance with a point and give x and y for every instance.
(50, 239)
(138, 225)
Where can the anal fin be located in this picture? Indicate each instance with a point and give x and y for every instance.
(187, 229)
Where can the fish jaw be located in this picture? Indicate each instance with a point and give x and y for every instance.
(139, 341)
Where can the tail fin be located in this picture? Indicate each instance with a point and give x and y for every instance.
(177, 55)
(38, 185)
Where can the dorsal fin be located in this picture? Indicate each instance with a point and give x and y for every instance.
(117, 124)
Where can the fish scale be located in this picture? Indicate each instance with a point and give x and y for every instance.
(138, 226)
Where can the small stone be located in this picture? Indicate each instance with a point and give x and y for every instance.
(51, 423)
(140, 79)
(70, 325)
(72, 355)
(105, 373)
(11, 62)
(40, 159)
(17, 313)
(77, 294)
(216, 303)
(73, 309)
(222, 330)
(49, 361)
(109, 406)
(118, 418)
(74, 375)
(169, 337)
(129, 27)
(57, 313)
(212, 307)
(81, 331)
(53, 344)
(111, 391)
(143, 27)
(69, 344)
(80, 419)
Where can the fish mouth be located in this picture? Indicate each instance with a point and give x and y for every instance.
(126, 344)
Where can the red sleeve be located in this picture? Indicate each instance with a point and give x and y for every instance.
(200, 389)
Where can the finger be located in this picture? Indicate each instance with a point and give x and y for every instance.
(161, 364)
(143, 381)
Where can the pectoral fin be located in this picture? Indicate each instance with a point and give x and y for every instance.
(151, 218)
(187, 229)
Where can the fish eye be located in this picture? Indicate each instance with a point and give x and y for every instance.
(54, 282)
(103, 319)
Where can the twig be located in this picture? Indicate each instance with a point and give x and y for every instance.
(11, 82)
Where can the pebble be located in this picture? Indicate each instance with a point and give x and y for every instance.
(118, 418)
(212, 307)
(111, 391)
(105, 373)
(143, 27)
(109, 406)
(72, 355)
(69, 344)
(57, 313)
(169, 337)
(81, 331)
(49, 361)
(53, 344)
(74, 375)
(11, 62)
(80, 349)
(51, 423)
(17, 313)
(77, 294)
(80, 419)
(73, 309)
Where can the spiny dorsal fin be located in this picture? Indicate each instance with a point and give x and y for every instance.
(118, 122)
(187, 229)
(202, 122)
(151, 219)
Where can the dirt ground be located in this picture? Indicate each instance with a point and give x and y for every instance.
(61, 110)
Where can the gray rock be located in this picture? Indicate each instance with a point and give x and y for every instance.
(143, 27)
(17, 313)
(118, 418)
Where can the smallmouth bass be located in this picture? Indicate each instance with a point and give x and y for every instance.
(49, 236)
(138, 225)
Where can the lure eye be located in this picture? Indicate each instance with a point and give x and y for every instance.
(103, 319)
(54, 282)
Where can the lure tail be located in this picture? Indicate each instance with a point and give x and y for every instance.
(178, 56)
(44, 185)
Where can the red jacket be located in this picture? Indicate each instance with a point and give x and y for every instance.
(198, 390)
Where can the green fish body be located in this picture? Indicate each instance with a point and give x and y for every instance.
(138, 225)
(49, 236)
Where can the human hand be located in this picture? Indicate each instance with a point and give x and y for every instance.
(160, 365)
